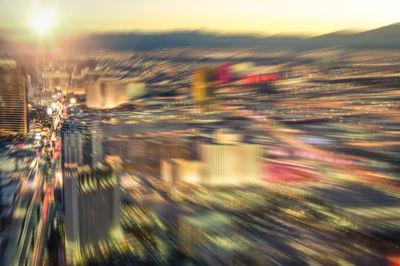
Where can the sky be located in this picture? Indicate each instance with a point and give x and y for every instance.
(262, 17)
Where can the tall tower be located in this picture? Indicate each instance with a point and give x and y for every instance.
(13, 99)
(92, 209)
(91, 191)
(203, 84)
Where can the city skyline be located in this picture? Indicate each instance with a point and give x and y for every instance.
(182, 132)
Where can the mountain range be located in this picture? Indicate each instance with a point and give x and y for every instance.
(387, 37)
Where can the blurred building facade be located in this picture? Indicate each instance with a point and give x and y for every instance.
(175, 170)
(91, 191)
(232, 164)
(203, 83)
(225, 161)
(146, 153)
(81, 143)
(109, 92)
(92, 210)
(13, 99)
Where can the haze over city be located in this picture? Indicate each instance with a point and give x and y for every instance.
(306, 17)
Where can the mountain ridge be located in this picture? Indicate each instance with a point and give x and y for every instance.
(387, 37)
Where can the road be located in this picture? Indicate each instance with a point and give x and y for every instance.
(23, 221)
(30, 219)
(42, 228)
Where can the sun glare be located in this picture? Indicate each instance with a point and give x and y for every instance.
(43, 21)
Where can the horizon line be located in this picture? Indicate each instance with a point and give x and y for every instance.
(17, 32)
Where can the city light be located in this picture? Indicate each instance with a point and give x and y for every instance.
(59, 178)
(38, 136)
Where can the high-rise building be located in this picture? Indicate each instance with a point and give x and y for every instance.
(82, 143)
(13, 99)
(92, 209)
(203, 84)
(91, 190)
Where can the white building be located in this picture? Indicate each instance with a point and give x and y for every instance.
(231, 164)
(109, 93)
(225, 162)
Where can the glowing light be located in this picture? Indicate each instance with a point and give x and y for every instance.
(43, 21)
(59, 178)
(38, 136)
(72, 101)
